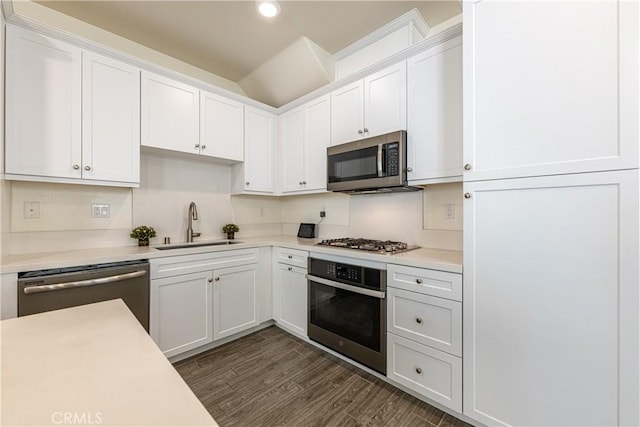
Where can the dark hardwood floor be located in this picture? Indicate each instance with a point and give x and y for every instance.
(271, 378)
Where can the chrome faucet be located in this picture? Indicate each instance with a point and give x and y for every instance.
(193, 215)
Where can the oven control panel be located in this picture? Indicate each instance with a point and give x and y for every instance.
(347, 273)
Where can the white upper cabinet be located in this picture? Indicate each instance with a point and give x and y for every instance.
(305, 134)
(369, 107)
(434, 114)
(111, 120)
(550, 87)
(170, 114)
(43, 106)
(347, 113)
(221, 127)
(72, 115)
(256, 174)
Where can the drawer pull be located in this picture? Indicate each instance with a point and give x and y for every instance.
(418, 370)
(419, 281)
(418, 319)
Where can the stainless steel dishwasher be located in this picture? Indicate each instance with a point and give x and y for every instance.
(53, 289)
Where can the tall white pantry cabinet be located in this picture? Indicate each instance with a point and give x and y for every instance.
(551, 217)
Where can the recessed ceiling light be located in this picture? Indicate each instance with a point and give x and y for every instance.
(268, 9)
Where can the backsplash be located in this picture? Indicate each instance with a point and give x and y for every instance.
(170, 182)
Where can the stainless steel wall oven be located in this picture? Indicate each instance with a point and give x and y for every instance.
(347, 309)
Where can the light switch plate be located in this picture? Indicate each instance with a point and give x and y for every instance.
(100, 211)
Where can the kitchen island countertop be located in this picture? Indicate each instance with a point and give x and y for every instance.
(436, 259)
(90, 365)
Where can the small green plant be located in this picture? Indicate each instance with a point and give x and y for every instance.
(143, 232)
(230, 228)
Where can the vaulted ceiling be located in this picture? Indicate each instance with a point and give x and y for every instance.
(230, 39)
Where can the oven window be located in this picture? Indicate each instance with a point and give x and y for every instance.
(354, 165)
(352, 316)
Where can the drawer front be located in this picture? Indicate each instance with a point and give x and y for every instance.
(436, 322)
(432, 373)
(429, 282)
(185, 264)
(294, 257)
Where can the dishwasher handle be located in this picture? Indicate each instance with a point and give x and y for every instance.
(90, 282)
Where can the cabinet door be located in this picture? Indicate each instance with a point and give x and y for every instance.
(562, 100)
(181, 310)
(291, 298)
(170, 114)
(551, 300)
(235, 304)
(317, 139)
(434, 113)
(385, 100)
(43, 106)
(110, 120)
(347, 114)
(221, 127)
(259, 147)
(292, 137)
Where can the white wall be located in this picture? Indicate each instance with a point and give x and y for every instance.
(170, 181)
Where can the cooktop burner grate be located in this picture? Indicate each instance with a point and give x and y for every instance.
(378, 246)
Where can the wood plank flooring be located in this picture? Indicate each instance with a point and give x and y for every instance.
(271, 378)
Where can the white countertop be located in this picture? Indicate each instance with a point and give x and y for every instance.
(93, 364)
(435, 259)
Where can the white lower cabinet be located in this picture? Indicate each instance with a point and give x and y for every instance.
(430, 372)
(424, 332)
(181, 312)
(235, 304)
(290, 290)
(192, 303)
(552, 300)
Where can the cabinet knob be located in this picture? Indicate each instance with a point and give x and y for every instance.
(366, 130)
(203, 147)
(359, 131)
(418, 319)
(87, 168)
(419, 281)
(290, 257)
(217, 279)
(299, 182)
(409, 169)
(197, 146)
(76, 167)
(246, 183)
(289, 268)
(467, 167)
(418, 370)
(210, 280)
(304, 182)
(467, 195)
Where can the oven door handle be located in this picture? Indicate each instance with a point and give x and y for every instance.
(355, 289)
(91, 282)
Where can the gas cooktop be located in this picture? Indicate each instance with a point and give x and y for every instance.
(378, 246)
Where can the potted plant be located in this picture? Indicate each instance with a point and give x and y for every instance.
(230, 229)
(143, 233)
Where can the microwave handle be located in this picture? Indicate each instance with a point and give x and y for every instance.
(380, 153)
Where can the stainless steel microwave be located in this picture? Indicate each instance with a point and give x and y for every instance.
(376, 164)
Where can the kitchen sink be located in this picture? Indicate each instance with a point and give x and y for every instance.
(198, 245)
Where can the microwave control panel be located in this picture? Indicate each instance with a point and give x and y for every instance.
(393, 159)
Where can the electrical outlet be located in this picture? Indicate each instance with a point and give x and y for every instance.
(449, 211)
(323, 214)
(100, 211)
(31, 210)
